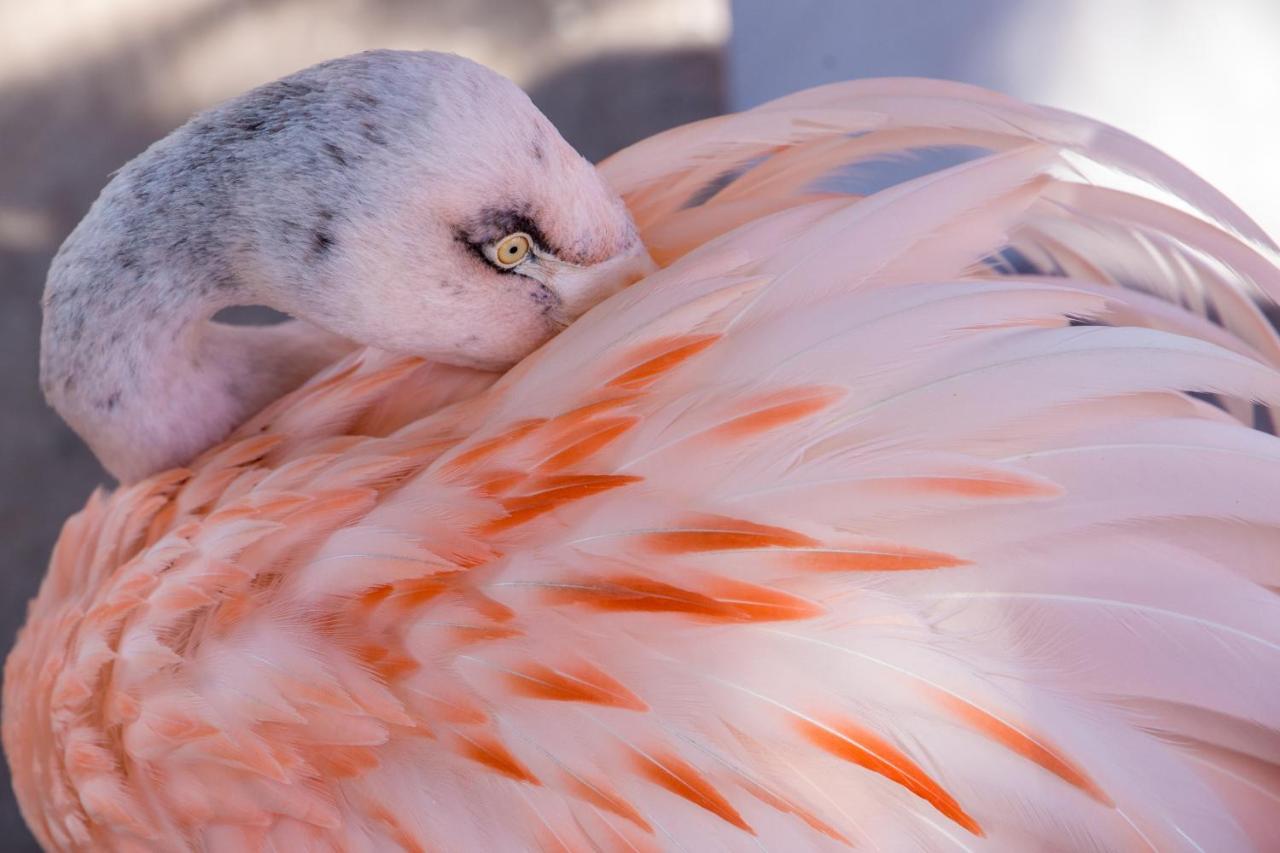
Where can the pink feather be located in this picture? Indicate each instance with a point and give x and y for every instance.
(831, 533)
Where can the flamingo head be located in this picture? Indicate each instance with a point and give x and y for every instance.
(410, 201)
(470, 229)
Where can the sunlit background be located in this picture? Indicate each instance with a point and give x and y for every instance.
(87, 84)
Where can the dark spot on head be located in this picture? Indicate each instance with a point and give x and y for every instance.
(223, 279)
(541, 294)
(284, 93)
(126, 259)
(325, 214)
(336, 153)
(464, 238)
(321, 242)
(371, 132)
(264, 112)
(109, 404)
(117, 336)
(68, 383)
(545, 297)
(77, 325)
(538, 153)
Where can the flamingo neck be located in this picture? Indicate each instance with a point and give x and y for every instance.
(141, 371)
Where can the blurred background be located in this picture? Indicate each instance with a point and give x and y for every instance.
(87, 84)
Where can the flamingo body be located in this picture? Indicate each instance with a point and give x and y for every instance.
(880, 519)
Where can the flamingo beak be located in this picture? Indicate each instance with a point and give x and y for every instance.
(582, 288)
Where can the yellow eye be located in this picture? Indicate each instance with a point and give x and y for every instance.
(512, 249)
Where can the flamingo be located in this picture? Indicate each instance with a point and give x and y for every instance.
(927, 512)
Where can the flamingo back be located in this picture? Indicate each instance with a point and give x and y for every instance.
(929, 511)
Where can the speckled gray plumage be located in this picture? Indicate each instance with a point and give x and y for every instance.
(328, 194)
(191, 205)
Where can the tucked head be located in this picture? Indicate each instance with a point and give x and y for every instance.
(415, 202)
(471, 229)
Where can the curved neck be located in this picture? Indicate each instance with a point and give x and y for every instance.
(139, 370)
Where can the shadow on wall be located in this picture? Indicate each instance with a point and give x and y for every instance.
(66, 130)
(1195, 79)
(607, 103)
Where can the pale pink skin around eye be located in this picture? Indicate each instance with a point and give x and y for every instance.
(437, 297)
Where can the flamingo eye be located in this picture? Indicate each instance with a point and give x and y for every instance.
(512, 249)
